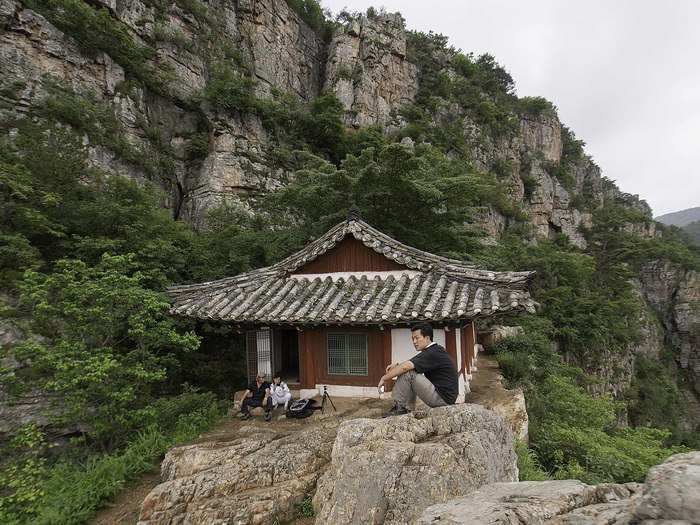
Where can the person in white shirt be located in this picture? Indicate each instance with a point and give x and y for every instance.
(280, 392)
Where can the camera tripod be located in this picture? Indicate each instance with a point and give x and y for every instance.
(327, 396)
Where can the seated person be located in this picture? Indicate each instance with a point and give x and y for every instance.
(431, 375)
(280, 392)
(257, 395)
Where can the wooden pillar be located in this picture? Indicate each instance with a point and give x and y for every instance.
(468, 342)
(451, 344)
(386, 355)
(472, 345)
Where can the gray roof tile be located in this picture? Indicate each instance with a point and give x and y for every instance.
(432, 288)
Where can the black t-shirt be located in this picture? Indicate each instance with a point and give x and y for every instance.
(437, 365)
(258, 393)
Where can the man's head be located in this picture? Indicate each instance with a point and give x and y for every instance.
(260, 378)
(421, 335)
(277, 378)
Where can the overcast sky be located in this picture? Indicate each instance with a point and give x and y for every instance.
(624, 74)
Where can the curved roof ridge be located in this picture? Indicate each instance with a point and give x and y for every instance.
(408, 256)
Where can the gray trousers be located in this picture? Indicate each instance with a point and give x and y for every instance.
(410, 385)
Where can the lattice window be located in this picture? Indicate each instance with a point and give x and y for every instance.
(347, 354)
(264, 352)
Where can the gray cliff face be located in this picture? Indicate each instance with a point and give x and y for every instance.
(526, 156)
(674, 294)
(364, 64)
(368, 71)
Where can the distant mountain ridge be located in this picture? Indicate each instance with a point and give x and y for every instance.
(693, 229)
(680, 218)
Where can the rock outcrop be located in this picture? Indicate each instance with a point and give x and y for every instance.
(674, 293)
(251, 480)
(368, 71)
(671, 493)
(532, 502)
(363, 471)
(389, 470)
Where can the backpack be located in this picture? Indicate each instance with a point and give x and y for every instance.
(301, 408)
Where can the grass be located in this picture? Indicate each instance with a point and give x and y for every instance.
(73, 492)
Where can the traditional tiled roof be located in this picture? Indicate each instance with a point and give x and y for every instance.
(432, 288)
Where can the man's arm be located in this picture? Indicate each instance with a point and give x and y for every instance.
(247, 393)
(395, 371)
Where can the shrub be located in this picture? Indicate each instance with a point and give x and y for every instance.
(108, 343)
(311, 12)
(230, 90)
(306, 508)
(529, 468)
(537, 106)
(22, 472)
(69, 492)
(529, 185)
(573, 434)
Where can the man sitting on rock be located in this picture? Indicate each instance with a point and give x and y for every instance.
(431, 375)
(257, 395)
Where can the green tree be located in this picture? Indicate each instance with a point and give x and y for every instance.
(436, 191)
(107, 345)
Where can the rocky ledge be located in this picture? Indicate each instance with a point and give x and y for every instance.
(370, 470)
(669, 496)
(389, 470)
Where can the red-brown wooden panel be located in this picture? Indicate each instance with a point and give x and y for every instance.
(316, 342)
(350, 255)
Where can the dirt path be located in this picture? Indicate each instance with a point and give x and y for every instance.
(126, 508)
(486, 386)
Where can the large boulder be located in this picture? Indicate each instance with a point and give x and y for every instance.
(670, 496)
(672, 490)
(257, 477)
(535, 503)
(389, 470)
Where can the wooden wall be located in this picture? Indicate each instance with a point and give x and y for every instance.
(350, 255)
(313, 357)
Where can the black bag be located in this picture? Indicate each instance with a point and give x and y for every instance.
(301, 408)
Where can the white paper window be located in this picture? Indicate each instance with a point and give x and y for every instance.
(347, 354)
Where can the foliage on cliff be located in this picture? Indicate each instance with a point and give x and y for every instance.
(573, 434)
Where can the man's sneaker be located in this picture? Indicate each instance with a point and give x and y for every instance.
(268, 416)
(396, 410)
(245, 417)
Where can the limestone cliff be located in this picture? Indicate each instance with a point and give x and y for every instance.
(364, 63)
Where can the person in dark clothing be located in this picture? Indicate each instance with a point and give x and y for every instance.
(257, 395)
(431, 375)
